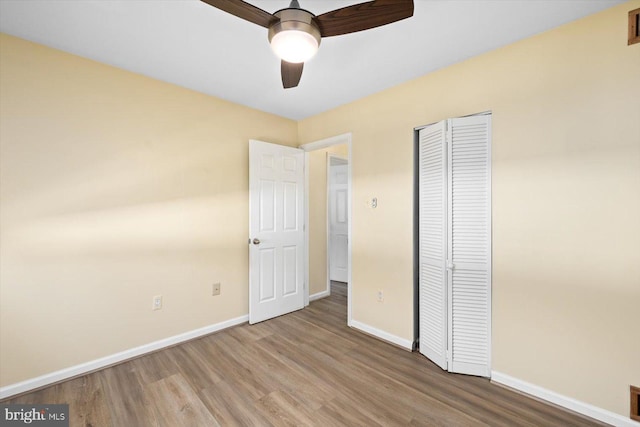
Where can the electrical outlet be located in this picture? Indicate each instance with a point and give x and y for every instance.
(216, 289)
(380, 296)
(157, 302)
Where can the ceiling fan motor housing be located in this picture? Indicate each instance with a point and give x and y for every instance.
(292, 19)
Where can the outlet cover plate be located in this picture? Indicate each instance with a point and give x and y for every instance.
(157, 302)
(216, 289)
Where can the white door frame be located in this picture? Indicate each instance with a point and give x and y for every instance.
(317, 145)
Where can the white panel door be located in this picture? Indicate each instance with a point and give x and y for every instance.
(432, 243)
(338, 223)
(276, 213)
(469, 245)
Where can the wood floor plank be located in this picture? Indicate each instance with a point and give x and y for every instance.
(348, 384)
(231, 406)
(123, 394)
(172, 402)
(155, 366)
(341, 412)
(396, 398)
(235, 372)
(85, 396)
(251, 333)
(195, 365)
(271, 366)
(283, 410)
(304, 368)
(435, 406)
(89, 406)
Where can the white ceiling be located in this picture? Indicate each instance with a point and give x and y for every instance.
(191, 44)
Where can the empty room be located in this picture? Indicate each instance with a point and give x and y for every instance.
(336, 212)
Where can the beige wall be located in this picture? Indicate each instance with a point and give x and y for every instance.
(566, 201)
(318, 216)
(115, 188)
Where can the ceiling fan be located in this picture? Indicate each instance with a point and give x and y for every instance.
(295, 33)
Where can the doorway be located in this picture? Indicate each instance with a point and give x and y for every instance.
(337, 218)
(320, 246)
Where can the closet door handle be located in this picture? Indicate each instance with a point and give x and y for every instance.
(256, 241)
(450, 266)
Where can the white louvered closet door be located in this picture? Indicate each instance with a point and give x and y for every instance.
(455, 244)
(433, 250)
(469, 245)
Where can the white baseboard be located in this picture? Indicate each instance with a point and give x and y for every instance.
(319, 295)
(103, 362)
(385, 336)
(564, 401)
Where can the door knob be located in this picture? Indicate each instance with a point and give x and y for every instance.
(256, 241)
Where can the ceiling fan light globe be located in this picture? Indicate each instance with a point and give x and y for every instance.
(294, 46)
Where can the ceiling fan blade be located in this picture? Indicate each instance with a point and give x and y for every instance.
(363, 16)
(244, 10)
(291, 74)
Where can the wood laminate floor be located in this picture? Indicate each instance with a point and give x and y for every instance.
(305, 368)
